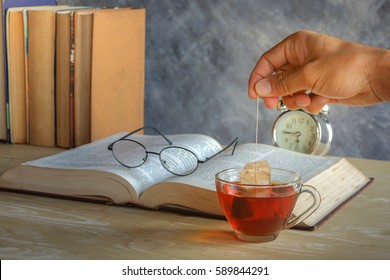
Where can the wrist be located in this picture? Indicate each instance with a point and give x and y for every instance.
(379, 78)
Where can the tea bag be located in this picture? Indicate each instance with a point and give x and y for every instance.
(256, 173)
(253, 173)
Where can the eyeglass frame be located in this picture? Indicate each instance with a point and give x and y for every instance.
(110, 147)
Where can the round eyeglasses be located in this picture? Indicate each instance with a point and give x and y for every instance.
(177, 160)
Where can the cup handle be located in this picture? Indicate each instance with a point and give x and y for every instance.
(313, 207)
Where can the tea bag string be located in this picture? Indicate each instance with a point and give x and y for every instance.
(257, 122)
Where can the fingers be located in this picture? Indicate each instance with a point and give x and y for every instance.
(285, 56)
(316, 104)
(311, 103)
(262, 69)
(288, 70)
(285, 83)
(297, 101)
(271, 60)
(291, 86)
(271, 102)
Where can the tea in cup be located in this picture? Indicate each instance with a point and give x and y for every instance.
(258, 213)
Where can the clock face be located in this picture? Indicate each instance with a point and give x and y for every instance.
(297, 131)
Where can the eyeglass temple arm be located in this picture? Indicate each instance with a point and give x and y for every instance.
(233, 143)
(139, 129)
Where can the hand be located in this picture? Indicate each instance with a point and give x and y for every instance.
(335, 71)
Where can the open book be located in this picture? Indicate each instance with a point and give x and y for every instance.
(91, 172)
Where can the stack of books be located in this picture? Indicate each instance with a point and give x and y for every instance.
(72, 75)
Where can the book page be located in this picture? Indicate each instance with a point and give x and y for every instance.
(306, 165)
(96, 156)
(334, 189)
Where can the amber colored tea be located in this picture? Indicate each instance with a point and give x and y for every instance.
(261, 212)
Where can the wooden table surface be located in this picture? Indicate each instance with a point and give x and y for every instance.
(34, 227)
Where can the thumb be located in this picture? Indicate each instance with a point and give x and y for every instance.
(282, 84)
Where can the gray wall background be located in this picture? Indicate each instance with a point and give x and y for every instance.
(199, 55)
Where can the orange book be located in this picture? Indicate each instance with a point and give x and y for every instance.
(16, 75)
(83, 21)
(3, 112)
(118, 66)
(41, 27)
(62, 79)
(68, 116)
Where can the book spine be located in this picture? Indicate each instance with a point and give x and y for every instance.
(71, 81)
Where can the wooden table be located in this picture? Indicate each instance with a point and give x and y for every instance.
(34, 227)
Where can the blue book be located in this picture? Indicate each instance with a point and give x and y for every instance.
(6, 4)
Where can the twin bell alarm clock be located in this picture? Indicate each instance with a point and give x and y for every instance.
(302, 132)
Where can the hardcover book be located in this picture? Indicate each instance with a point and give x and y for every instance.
(118, 71)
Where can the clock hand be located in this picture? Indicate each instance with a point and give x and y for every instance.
(297, 133)
(297, 144)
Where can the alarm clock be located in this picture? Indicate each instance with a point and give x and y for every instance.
(300, 131)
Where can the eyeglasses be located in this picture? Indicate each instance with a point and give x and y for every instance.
(177, 160)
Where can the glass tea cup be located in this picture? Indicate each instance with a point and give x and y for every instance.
(258, 213)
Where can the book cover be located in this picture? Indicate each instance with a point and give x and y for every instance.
(117, 76)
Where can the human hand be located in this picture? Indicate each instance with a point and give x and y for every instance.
(334, 70)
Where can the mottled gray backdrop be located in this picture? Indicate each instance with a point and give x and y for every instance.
(199, 55)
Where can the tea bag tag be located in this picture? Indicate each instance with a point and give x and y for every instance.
(256, 173)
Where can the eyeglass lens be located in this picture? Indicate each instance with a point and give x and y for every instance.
(129, 153)
(178, 161)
